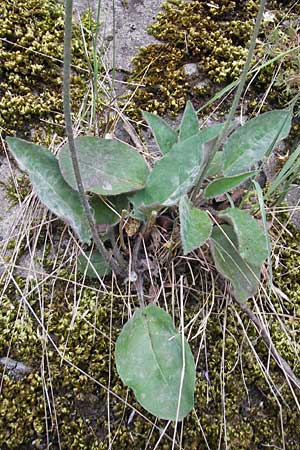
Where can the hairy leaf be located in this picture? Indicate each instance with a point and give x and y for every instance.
(216, 165)
(43, 170)
(93, 266)
(107, 166)
(228, 261)
(164, 135)
(195, 225)
(249, 143)
(221, 185)
(252, 241)
(175, 174)
(189, 124)
(149, 359)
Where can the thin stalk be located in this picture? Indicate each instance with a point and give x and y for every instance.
(69, 131)
(236, 99)
(96, 64)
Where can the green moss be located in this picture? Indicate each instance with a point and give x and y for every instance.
(31, 49)
(80, 404)
(215, 35)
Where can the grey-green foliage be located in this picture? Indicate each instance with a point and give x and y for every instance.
(51, 188)
(189, 124)
(228, 261)
(195, 225)
(93, 265)
(108, 210)
(250, 143)
(164, 135)
(252, 241)
(239, 250)
(107, 166)
(149, 350)
(175, 174)
(226, 184)
(154, 360)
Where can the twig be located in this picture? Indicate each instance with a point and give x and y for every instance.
(69, 131)
(285, 367)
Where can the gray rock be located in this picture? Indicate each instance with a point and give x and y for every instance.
(132, 18)
(191, 69)
(15, 369)
(293, 200)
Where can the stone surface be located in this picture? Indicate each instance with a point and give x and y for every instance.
(132, 18)
(8, 213)
(293, 200)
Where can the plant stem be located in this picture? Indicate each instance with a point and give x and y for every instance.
(69, 131)
(236, 99)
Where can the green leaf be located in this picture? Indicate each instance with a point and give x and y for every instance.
(221, 185)
(175, 174)
(149, 360)
(249, 143)
(228, 261)
(107, 166)
(216, 166)
(93, 266)
(189, 124)
(195, 225)
(52, 190)
(107, 210)
(164, 135)
(252, 241)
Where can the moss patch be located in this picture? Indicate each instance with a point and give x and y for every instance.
(215, 35)
(31, 49)
(68, 397)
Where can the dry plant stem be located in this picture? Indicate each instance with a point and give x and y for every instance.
(237, 96)
(69, 131)
(274, 352)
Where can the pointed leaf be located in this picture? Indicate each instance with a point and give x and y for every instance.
(93, 266)
(107, 210)
(149, 359)
(195, 225)
(52, 190)
(249, 143)
(216, 166)
(222, 185)
(228, 261)
(189, 124)
(252, 241)
(164, 135)
(107, 166)
(175, 174)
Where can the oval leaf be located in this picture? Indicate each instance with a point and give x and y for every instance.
(107, 166)
(164, 135)
(175, 174)
(221, 185)
(228, 261)
(252, 241)
(149, 359)
(249, 143)
(189, 124)
(195, 225)
(52, 190)
(93, 266)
